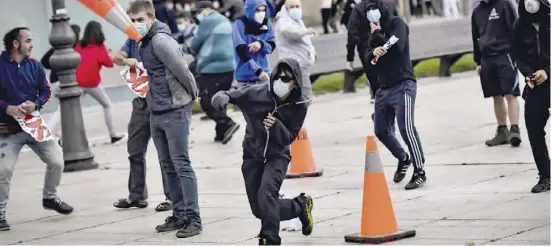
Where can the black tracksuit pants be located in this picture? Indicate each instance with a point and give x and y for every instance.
(209, 84)
(263, 182)
(536, 114)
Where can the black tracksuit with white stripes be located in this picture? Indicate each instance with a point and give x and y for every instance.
(396, 97)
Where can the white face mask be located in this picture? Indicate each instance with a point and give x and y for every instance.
(281, 89)
(532, 6)
(187, 8)
(373, 15)
(259, 17)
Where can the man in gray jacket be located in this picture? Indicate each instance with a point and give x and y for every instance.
(172, 93)
(293, 41)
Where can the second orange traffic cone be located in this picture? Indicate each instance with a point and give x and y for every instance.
(302, 160)
(378, 223)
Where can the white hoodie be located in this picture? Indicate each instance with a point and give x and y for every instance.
(293, 40)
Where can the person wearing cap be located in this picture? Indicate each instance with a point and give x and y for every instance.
(212, 47)
(293, 40)
(253, 41)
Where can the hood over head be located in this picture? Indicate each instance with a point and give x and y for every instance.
(284, 12)
(251, 5)
(383, 8)
(292, 65)
(158, 27)
(541, 15)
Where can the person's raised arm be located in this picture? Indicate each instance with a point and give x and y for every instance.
(237, 97)
(268, 45)
(44, 92)
(104, 58)
(203, 32)
(286, 27)
(241, 47)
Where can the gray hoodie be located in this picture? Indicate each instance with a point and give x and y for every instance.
(171, 84)
(293, 40)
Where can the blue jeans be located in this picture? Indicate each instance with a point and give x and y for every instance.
(170, 133)
(49, 152)
(398, 101)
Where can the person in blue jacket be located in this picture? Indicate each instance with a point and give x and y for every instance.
(253, 40)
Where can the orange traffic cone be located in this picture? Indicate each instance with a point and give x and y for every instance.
(378, 221)
(112, 12)
(302, 160)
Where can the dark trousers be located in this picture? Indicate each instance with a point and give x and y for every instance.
(139, 134)
(398, 102)
(262, 182)
(327, 20)
(209, 84)
(536, 114)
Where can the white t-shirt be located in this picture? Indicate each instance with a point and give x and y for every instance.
(326, 4)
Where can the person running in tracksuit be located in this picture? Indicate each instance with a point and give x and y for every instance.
(532, 58)
(396, 97)
(254, 40)
(274, 113)
(492, 31)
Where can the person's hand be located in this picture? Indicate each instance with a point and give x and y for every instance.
(15, 111)
(28, 107)
(255, 46)
(349, 66)
(539, 77)
(478, 69)
(379, 51)
(374, 27)
(263, 76)
(311, 31)
(269, 121)
(131, 62)
(220, 101)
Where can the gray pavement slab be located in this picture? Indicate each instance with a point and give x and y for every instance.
(474, 194)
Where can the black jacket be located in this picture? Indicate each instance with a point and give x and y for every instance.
(492, 28)
(395, 66)
(46, 64)
(256, 101)
(532, 45)
(358, 27)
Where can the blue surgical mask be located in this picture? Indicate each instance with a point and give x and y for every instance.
(296, 14)
(142, 28)
(373, 15)
(281, 88)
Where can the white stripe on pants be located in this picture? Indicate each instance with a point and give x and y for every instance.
(417, 157)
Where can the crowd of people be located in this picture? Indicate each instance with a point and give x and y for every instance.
(274, 99)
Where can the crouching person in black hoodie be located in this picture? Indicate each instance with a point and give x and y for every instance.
(396, 97)
(274, 113)
(532, 53)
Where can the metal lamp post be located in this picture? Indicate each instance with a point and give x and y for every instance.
(64, 61)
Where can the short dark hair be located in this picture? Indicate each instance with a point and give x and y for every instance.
(92, 33)
(186, 16)
(141, 5)
(12, 35)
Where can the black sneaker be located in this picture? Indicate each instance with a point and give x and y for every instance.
(125, 203)
(218, 139)
(265, 241)
(164, 206)
(501, 137)
(4, 226)
(541, 186)
(514, 136)
(417, 180)
(171, 224)
(190, 230)
(306, 217)
(204, 117)
(116, 140)
(403, 166)
(229, 133)
(57, 205)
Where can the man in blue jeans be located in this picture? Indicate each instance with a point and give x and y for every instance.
(172, 93)
(396, 97)
(139, 134)
(24, 88)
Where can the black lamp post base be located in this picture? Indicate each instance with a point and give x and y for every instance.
(80, 165)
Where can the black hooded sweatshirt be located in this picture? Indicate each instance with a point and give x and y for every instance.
(492, 28)
(531, 43)
(359, 30)
(256, 101)
(395, 66)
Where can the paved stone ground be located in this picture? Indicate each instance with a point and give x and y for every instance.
(474, 194)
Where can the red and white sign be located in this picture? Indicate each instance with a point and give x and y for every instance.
(34, 125)
(136, 79)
